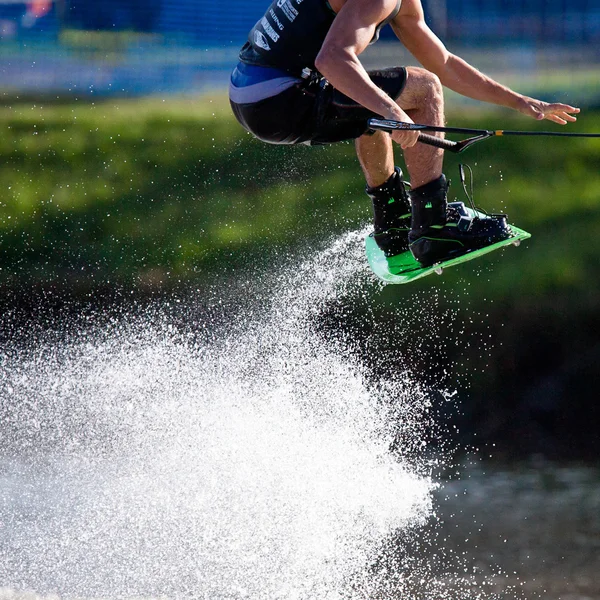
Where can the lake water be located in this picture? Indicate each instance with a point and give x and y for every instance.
(247, 454)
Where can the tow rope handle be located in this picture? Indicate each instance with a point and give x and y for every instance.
(456, 147)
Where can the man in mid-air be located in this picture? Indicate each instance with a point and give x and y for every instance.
(299, 80)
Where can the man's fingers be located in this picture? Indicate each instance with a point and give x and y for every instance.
(561, 113)
(405, 139)
(409, 143)
(564, 107)
(555, 112)
(569, 117)
(564, 110)
(556, 119)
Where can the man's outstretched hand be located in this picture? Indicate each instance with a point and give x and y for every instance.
(556, 112)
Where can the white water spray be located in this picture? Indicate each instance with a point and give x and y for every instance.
(252, 463)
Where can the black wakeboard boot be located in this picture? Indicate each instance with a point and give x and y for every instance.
(392, 214)
(441, 231)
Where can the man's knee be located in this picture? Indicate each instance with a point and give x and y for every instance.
(435, 89)
(424, 85)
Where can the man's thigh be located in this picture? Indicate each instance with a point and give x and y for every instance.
(314, 112)
(280, 119)
(339, 118)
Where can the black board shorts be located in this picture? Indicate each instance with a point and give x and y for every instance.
(313, 112)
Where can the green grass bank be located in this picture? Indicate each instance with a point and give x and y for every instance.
(152, 190)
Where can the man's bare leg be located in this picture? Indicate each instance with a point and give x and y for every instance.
(376, 157)
(423, 101)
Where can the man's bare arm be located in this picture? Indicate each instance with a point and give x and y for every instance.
(351, 31)
(461, 77)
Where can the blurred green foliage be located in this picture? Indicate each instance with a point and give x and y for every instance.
(154, 191)
(148, 190)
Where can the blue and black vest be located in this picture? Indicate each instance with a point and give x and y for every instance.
(290, 34)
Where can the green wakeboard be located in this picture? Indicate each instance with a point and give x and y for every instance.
(403, 268)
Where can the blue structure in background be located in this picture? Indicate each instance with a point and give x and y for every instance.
(200, 23)
(175, 45)
(209, 23)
